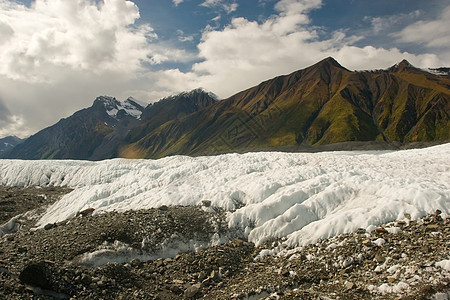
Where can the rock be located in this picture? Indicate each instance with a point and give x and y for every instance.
(202, 275)
(86, 279)
(49, 226)
(347, 262)
(159, 263)
(360, 231)
(206, 203)
(206, 282)
(168, 260)
(37, 274)
(192, 290)
(391, 279)
(237, 242)
(163, 208)
(425, 249)
(214, 275)
(135, 262)
(349, 285)
(367, 243)
(432, 227)
(379, 258)
(381, 230)
(220, 261)
(86, 212)
(174, 288)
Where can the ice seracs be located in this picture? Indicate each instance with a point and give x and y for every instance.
(301, 197)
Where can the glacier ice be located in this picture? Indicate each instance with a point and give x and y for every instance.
(302, 197)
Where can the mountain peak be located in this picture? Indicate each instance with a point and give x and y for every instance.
(329, 61)
(116, 108)
(401, 66)
(325, 69)
(105, 99)
(326, 64)
(197, 91)
(9, 142)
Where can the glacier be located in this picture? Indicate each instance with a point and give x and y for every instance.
(301, 197)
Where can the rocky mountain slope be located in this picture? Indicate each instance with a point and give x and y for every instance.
(171, 110)
(9, 142)
(320, 105)
(97, 132)
(404, 259)
(91, 133)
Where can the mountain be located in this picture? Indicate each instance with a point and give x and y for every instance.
(91, 133)
(9, 142)
(320, 105)
(98, 132)
(170, 109)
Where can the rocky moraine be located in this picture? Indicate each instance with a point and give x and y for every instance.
(130, 255)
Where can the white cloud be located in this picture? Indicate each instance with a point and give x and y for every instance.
(9, 122)
(432, 33)
(177, 2)
(79, 35)
(290, 7)
(182, 37)
(57, 56)
(244, 53)
(227, 5)
(386, 23)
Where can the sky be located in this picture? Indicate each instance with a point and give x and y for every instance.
(57, 56)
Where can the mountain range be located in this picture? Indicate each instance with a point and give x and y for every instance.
(91, 133)
(325, 104)
(9, 142)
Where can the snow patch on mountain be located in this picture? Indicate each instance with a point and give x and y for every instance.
(136, 101)
(188, 94)
(439, 71)
(303, 197)
(130, 106)
(9, 142)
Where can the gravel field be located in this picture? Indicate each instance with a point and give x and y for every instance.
(131, 255)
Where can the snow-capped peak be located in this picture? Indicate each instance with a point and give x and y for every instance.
(199, 91)
(131, 106)
(193, 92)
